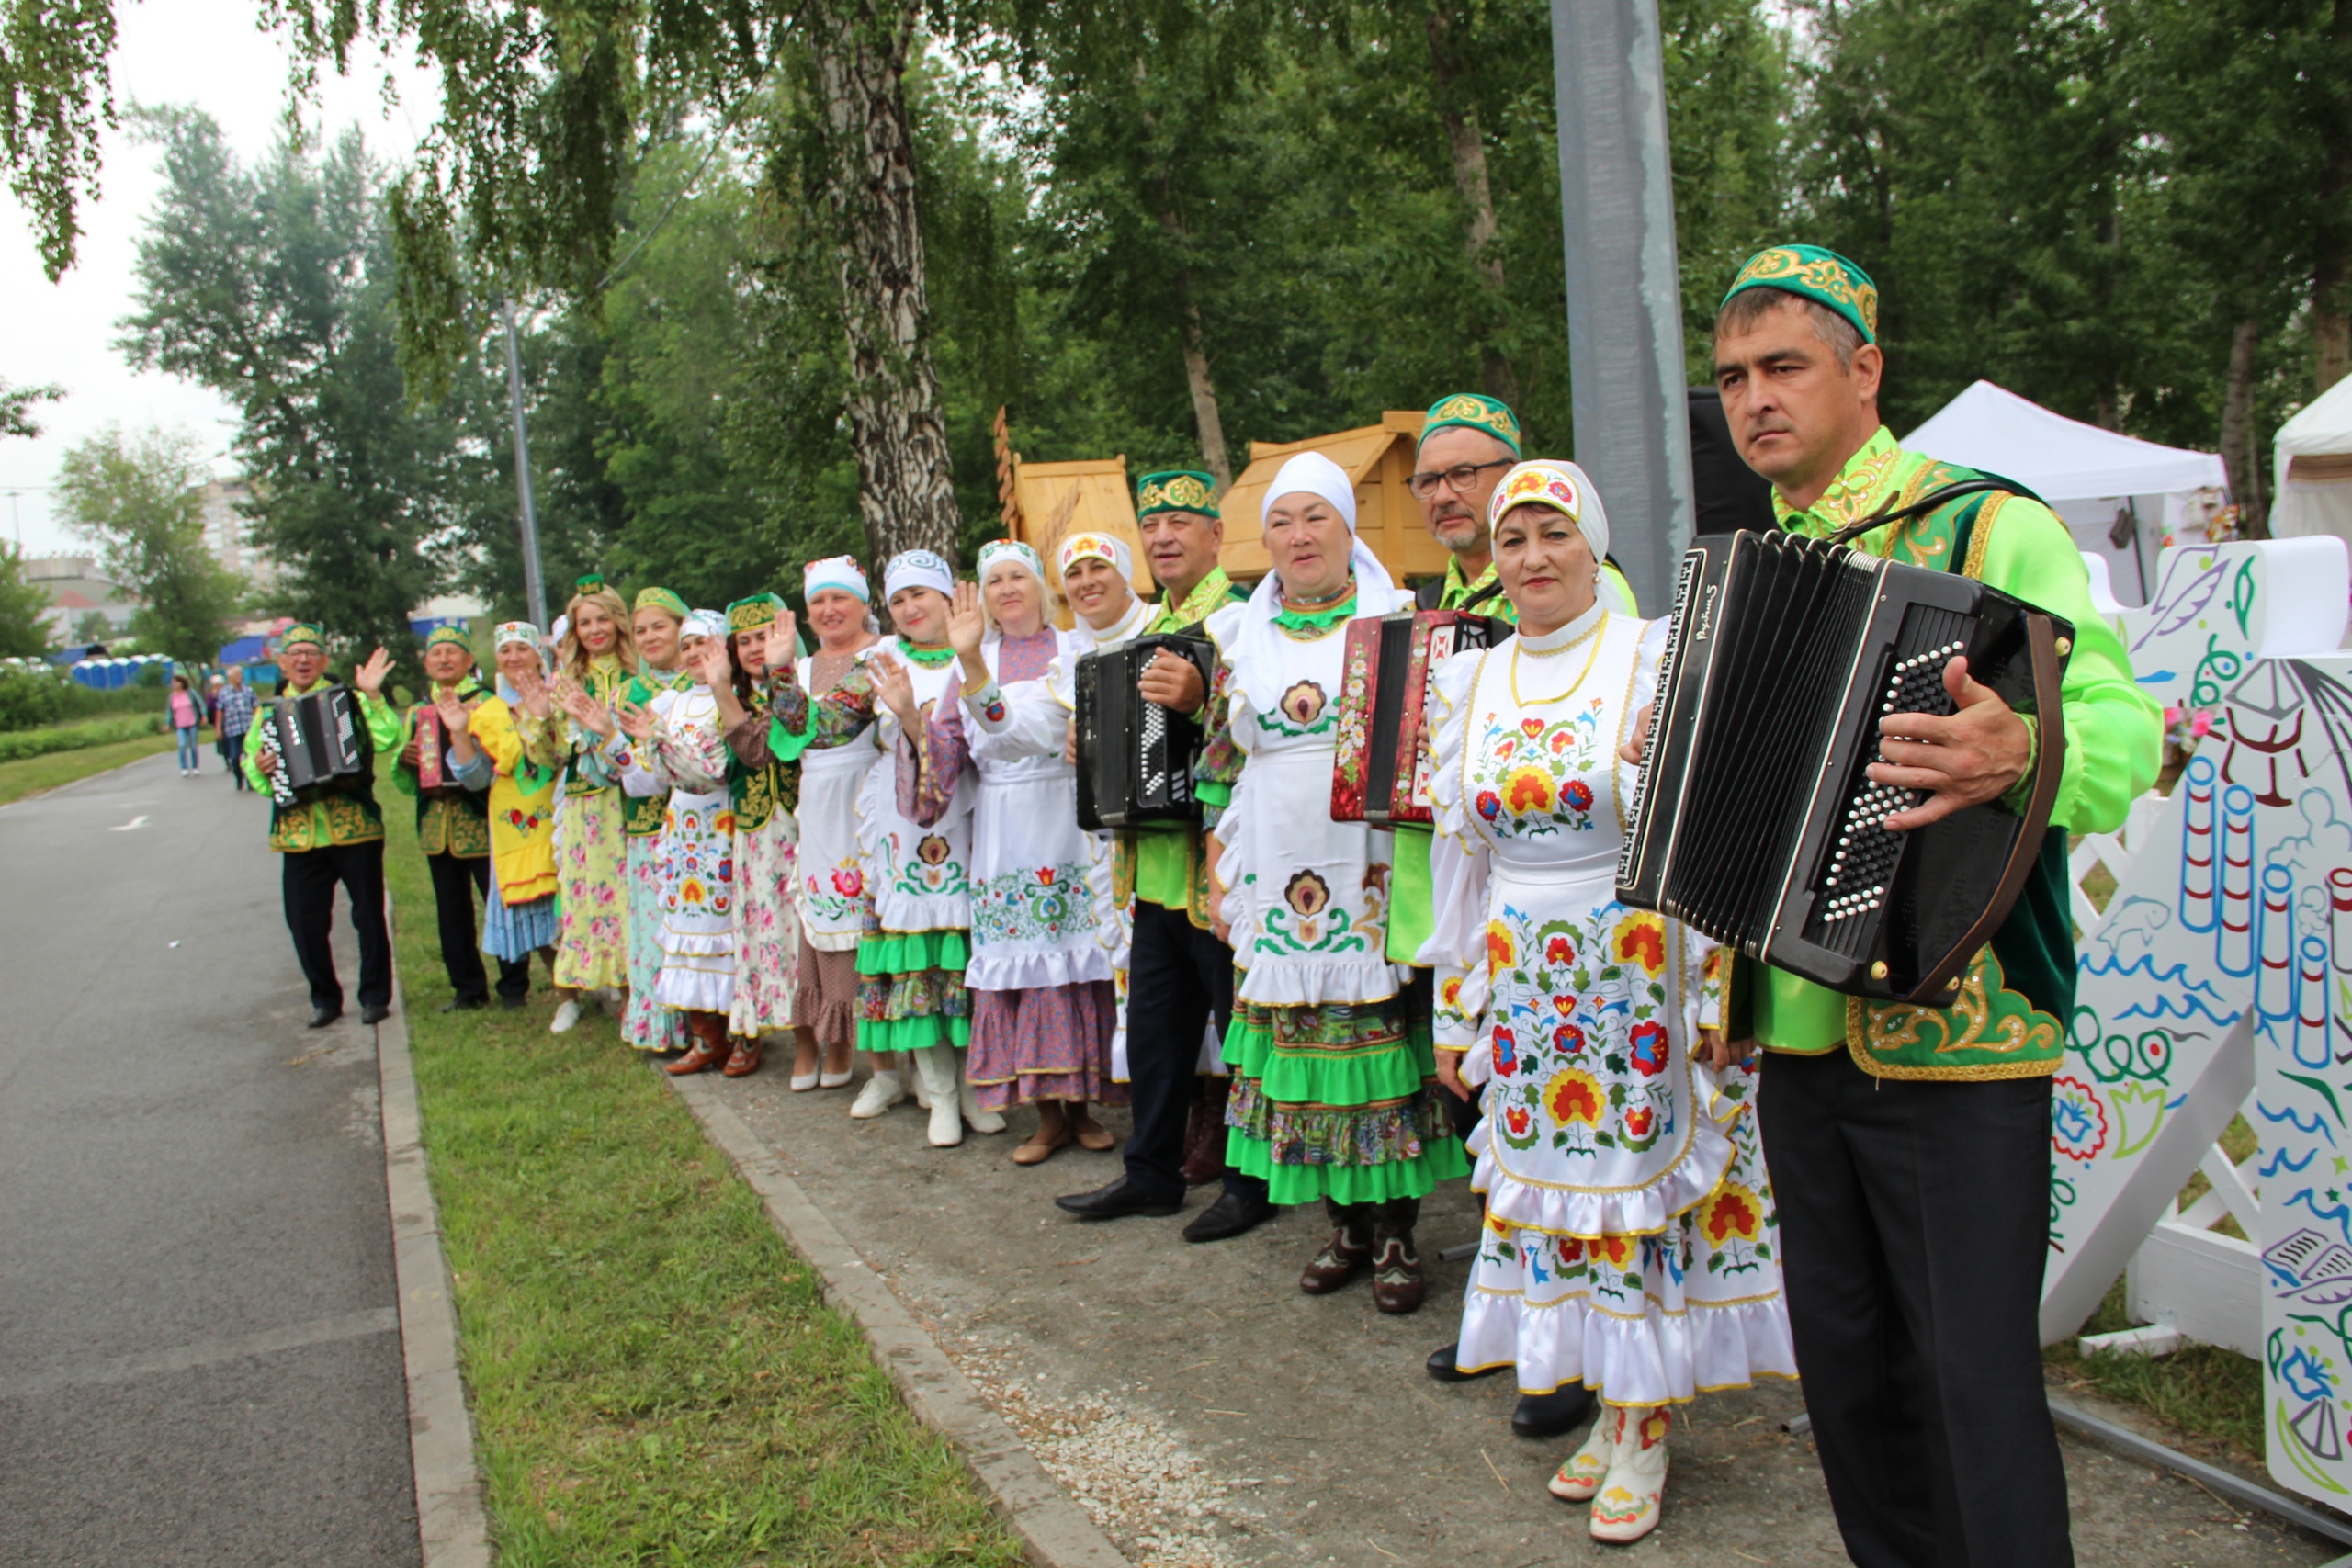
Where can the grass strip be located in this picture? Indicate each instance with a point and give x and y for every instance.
(33, 775)
(655, 1377)
(2204, 1390)
(18, 745)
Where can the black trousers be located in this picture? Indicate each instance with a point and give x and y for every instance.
(1914, 1224)
(1179, 978)
(454, 883)
(309, 878)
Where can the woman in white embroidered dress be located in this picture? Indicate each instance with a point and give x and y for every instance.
(840, 752)
(1040, 978)
(910, 961)
(1629, 1242)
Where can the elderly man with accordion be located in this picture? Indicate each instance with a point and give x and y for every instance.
(312, 749)
(1857, 751)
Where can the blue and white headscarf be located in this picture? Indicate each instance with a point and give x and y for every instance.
(704, 622)
(1021, 555)
(917, 568)
(836, 571)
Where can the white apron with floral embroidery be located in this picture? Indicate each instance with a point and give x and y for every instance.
(697, 866)
(833, 873)
(919, 878)
(1033, 894)
(1629, 1243)
(1306, 897)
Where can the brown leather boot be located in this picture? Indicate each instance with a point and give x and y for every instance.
(1204, 1132)
(710, 1049)
(1397, 1284)
(1344, 1257)
(744, 1060)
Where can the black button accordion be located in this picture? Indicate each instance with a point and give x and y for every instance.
(1135, 758)
(318, 739)
(1755, 820)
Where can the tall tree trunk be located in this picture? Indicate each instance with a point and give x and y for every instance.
(1207, 420)
(905, 484)
(1458, 109)
(2332, 236)
(2240, 452)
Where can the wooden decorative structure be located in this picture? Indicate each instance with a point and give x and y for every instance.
(1042, 503)
(1379, 458)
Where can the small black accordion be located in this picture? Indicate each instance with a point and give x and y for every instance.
(1135, 758)
(318, 739)
(1755, 821)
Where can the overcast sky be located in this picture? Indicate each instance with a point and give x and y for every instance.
(210, 54)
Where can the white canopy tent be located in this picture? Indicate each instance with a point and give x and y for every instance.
(2314, 455)
(2119, 494)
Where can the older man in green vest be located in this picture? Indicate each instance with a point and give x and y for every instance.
(1909, 1146)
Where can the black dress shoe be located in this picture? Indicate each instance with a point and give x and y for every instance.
(1549, 1414)
(1230, 1215)
(513, 1004)
(375, 1012)
(1441, 1366)
(1116, 1202)
(466, 1004)
(323, 1016)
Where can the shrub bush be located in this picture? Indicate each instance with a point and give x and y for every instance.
(16, 745)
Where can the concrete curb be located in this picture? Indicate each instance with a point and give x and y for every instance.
(451, 1528)
(1055, 1531)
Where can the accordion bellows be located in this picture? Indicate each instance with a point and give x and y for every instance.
(1379, 773)
(1755, 821)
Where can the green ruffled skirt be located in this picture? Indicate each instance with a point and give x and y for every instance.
(1339, 1102)
(910, 992)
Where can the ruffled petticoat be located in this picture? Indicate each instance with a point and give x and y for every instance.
(515, 931)
(1641, 1318)
(911, 993)
(1050, 1043)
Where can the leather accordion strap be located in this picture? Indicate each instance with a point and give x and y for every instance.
(2050, 761)
(1924, 506)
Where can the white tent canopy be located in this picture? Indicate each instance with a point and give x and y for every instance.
(2056, 457)
(2314, 453)
(2119, 496)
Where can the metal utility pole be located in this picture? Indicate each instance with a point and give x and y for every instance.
(1632, 409)
(535, 591)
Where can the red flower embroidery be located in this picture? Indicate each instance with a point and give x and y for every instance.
(1577, 794)
(1649, 1048)
(1532, 726)
(1559, 950)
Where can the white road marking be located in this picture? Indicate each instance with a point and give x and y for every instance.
(135, 823)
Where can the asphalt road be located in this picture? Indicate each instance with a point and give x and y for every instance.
(199, 1351)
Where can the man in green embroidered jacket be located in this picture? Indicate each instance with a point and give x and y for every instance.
(335, 835)
(1909, 1146)
(1179, 977)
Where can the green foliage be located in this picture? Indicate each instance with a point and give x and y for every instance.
(23, 603)
(275, 287)
(55, 100)
(15, 745)
(29, 699)
(16, 404)
(138, 499)
(92, 627)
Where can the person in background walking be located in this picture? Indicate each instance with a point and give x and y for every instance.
(186, 714)
(234, 716)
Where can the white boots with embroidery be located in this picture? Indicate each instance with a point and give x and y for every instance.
(1621, 1469)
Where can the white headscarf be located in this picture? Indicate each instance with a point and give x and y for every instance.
(1560, 487)
(704, 622)
(1019, 554)
(1096, 546)
(835, 571)
(509, 632)
(917, 568)
(1317, 474)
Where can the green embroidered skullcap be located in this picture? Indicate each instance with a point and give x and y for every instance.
(302, 632)
(750, 615)
(1472, 411)
(589, 583)
(1811, 273)
(660, 599)
(440, 636)
(1176, 489)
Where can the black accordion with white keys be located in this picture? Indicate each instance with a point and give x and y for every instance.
(1755, 821)
(1135, 758)
(318, 739)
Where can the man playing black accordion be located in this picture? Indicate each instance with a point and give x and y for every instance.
(1909, 1146)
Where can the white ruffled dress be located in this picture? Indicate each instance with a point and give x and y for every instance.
(687, 756)
(1630, 1242)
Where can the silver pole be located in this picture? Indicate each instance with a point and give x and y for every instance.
(1628, 396)
(535, 592)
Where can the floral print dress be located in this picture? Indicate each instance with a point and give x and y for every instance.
(592, 941)
(689, 756)
(766, 792)
(1334, 1091)
(917, 939)
(1630, 1241)
(646, 1024)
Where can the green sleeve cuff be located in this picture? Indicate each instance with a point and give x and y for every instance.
(784, 745)
(1219, 796)
(2020, 794)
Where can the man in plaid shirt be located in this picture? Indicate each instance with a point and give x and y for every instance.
(230, 719)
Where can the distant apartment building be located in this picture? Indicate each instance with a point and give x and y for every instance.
(75, 590)
(227, 535)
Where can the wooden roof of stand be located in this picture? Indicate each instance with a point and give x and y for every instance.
(1379, 458)
(1042, 503)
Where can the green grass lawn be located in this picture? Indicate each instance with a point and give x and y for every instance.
(32, 774)
(654, 1378)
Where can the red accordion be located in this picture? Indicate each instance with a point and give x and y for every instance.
(1382, 773)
